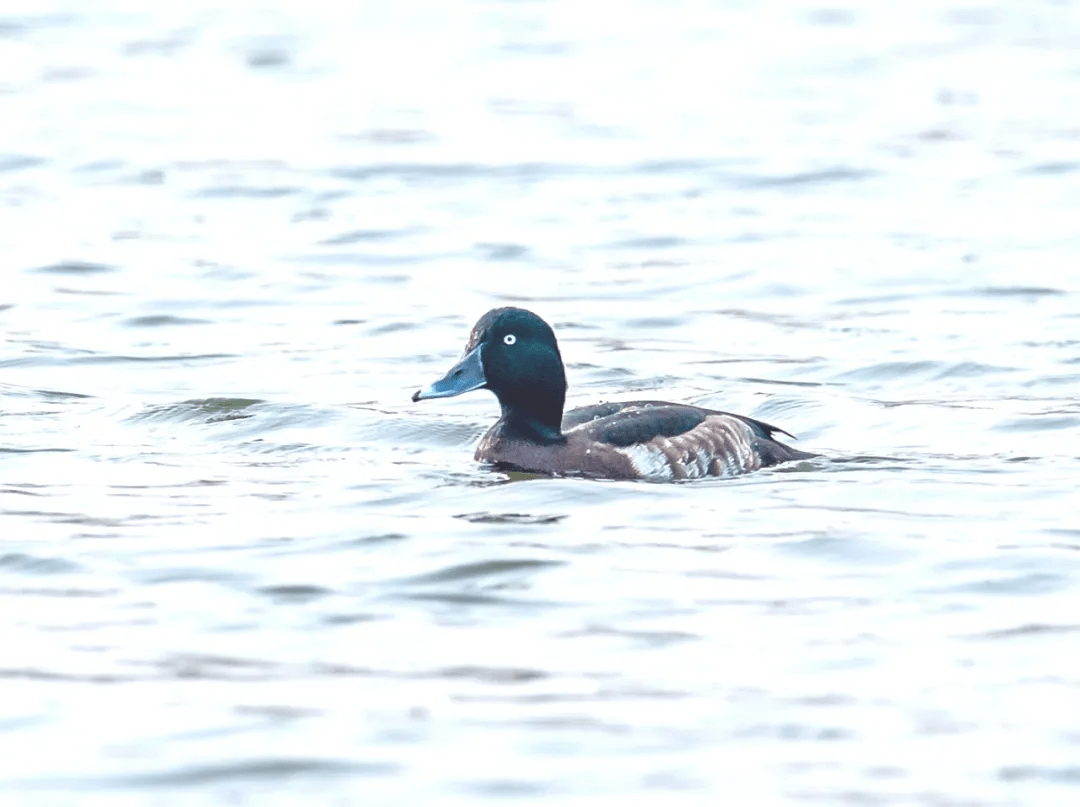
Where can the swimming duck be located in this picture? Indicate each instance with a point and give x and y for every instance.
(513, 353)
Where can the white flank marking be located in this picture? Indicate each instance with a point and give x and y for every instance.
(699, 466)
(650, 462)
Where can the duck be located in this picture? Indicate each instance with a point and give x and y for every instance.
(514, 353)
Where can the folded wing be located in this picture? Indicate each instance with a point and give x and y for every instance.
(675, 441)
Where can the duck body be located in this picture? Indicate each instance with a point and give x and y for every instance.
(644, 440)
(514, 353)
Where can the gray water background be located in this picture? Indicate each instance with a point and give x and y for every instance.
(238, 566)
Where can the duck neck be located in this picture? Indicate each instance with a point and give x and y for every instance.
(540, 424)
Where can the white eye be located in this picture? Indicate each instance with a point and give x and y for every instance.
(509, 339)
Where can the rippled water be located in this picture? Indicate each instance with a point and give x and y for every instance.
(239, 566)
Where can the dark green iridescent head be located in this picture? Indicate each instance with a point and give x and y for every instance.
(513, 353)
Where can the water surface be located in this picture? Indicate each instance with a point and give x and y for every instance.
(238, 565)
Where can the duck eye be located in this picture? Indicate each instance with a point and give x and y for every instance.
(509, 339)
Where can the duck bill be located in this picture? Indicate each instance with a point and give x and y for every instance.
(465, 376)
